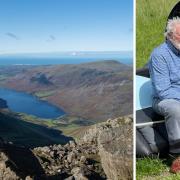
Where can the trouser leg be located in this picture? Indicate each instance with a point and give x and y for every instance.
(170, 109)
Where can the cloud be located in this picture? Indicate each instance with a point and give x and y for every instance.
(12, 35)
(51, 38)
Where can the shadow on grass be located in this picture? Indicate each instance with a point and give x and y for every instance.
(28, 134)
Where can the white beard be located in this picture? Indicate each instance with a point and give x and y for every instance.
(176, 44)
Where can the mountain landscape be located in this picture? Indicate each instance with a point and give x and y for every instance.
(93, 140)
(94, 91)
(66, 90)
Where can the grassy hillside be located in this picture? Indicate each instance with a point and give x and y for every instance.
(28, 134)
(151, 17)
(69, 126)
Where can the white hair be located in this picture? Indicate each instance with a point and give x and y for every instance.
(171, 27)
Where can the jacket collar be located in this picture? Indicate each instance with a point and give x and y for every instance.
(172, 47)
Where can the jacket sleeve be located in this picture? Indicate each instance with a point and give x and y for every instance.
(160, 76)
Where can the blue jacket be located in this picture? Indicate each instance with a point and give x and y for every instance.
(164, 67)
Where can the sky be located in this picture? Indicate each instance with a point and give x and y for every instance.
(33, 26)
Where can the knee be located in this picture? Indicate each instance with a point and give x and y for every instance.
(171, 108)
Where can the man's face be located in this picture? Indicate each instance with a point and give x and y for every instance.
(176, 34)
(175, 39)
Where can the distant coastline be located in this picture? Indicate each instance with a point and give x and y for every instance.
(54, 61)
(65, 58)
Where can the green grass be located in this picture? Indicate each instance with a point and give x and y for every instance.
(44, 94)
(36, 120)
(151, 18)
(66, 124)
(154, 169)
(3, 77)
(28, 133)
(149, 167)
(74, 131)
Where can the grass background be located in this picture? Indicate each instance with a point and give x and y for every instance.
(155, 169)
(151, 18)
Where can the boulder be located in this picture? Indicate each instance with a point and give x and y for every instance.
(116, 151)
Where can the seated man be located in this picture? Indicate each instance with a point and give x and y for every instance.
(164, 66)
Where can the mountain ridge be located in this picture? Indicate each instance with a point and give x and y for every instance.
(95, 91)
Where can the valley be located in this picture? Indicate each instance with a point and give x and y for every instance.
(88, 93)
(95, 91)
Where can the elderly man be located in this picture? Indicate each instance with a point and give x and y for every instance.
(164, 66)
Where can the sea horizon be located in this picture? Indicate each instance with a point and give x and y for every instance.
(65, 58)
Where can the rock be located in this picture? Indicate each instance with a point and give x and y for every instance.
(66, 146)
(83, 159)
(105, 152)
(76, 162)
(51, 154)
(78, 173)
(116, 151)
(71, 156)
(80, 176)
(69, 178)
(90, 167)
(45, 149)
(5, 172)
(28, 178)
(72, 144)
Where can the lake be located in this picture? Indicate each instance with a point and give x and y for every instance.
(26, 103)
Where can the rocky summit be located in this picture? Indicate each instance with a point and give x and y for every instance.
(105, 152)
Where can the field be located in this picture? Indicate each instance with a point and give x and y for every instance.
(44, 94)
(70, 126)
(151, 18)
